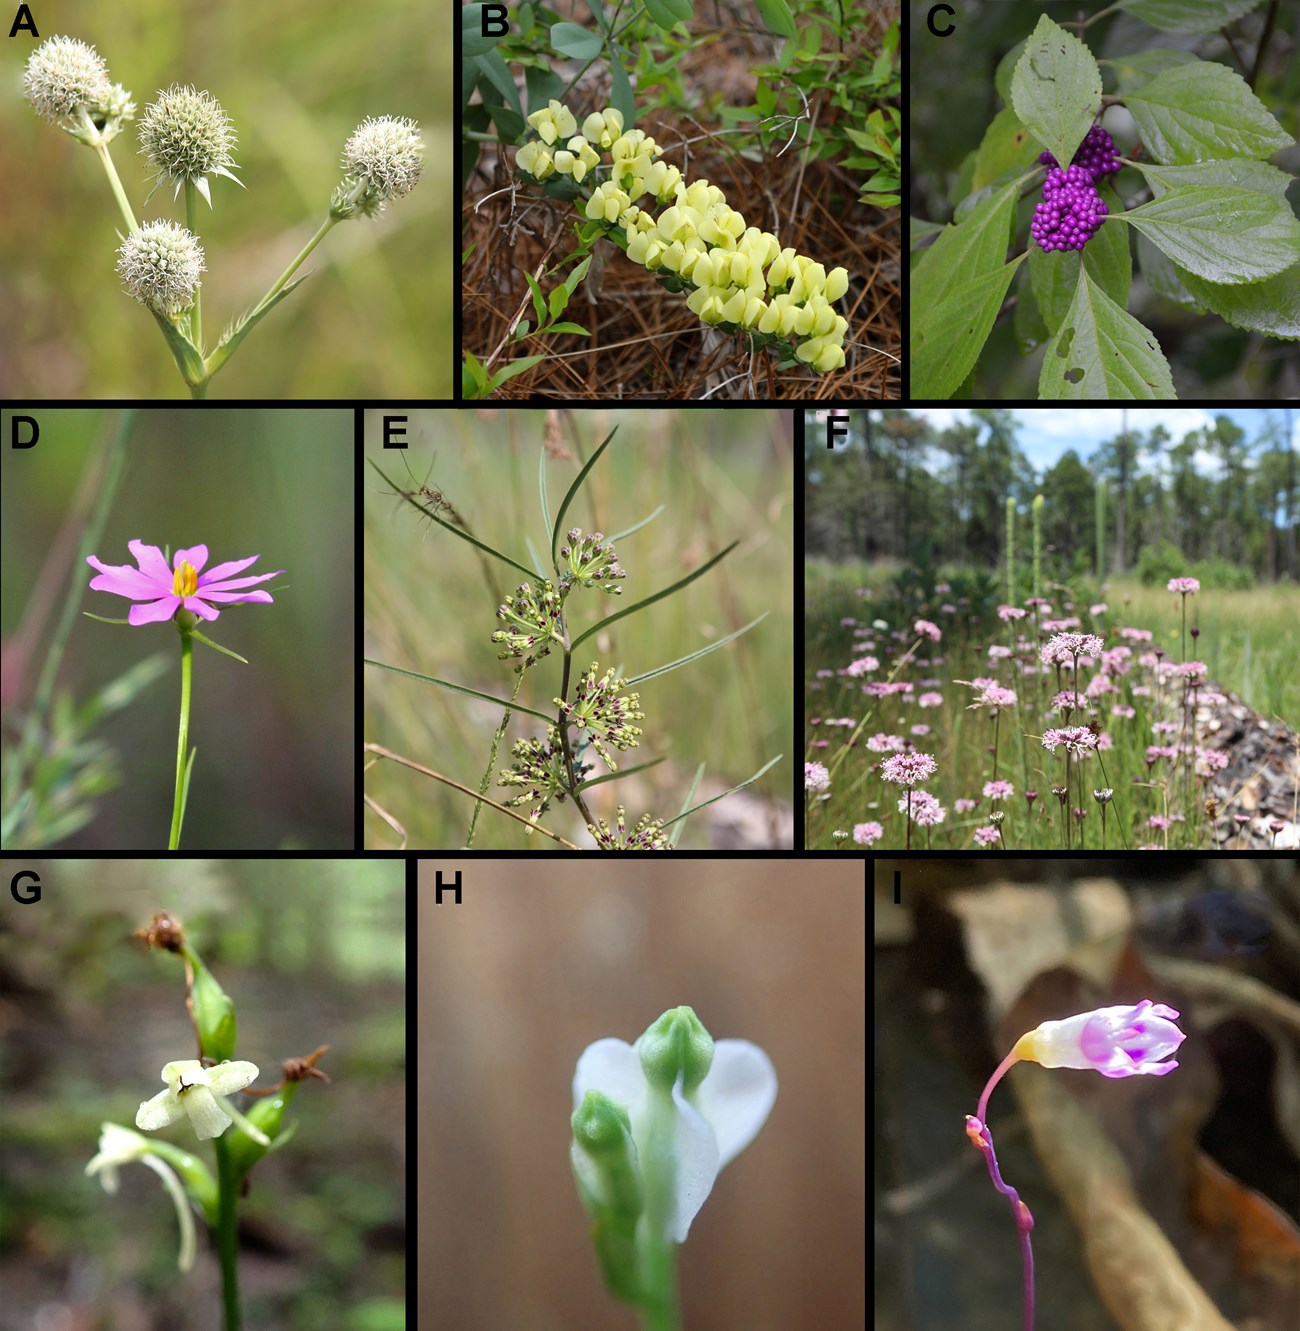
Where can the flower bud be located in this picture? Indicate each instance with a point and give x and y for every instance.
(676, 1044)
(160, 266)
(214, 1013)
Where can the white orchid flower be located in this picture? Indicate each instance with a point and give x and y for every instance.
(654, 1122)
(199, 1093)
(120, 1146)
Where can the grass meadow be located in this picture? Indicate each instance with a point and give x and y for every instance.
(877, 688)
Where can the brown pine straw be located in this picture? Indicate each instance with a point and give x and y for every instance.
(646, 343)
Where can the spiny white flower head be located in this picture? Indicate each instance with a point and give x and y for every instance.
(160, 266)
(63, 74)
(187, 135)
(386, 153)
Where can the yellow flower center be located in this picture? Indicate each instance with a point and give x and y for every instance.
(186, 581)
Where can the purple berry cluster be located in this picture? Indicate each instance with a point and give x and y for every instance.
(1071, 210)
(1096, 154)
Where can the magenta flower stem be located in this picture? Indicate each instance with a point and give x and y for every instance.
(182, 743)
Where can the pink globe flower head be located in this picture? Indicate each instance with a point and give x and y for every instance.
(182, 586)
(908, 769)
(1185, 585)
(1123, 1041)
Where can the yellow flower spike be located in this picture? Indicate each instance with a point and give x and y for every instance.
(555, 122)
(536, 160)
(755, 309)
(603, 127)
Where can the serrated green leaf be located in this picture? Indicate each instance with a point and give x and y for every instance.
(1235, 172)
(1271, 307)
(976, 245)
(578, 42)
(1101, 352)
(948, 337)
(1056, 88)
(1132, 71)
(1203, 111)
(1188, 15)
(1006, 146)
(1221, 234)
(245, 325)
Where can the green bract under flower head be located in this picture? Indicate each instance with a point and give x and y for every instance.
(160, 266)
(64, 74)
(187, 136)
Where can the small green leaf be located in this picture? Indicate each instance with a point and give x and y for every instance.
(1101, 352)
(664, 13)
(776, 17)
(580, 43)
(186, 355)
(565, 327)
(1222, 234)
(558, 300)
(1056, 88)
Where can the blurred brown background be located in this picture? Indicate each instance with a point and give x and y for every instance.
(515, 982)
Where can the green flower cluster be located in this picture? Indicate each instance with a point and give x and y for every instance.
(739, 278)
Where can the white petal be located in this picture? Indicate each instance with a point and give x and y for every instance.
(226, 1078)
(163, 1109)
(696, 1150)
(206, 1116)
(612, 1067)
(737, 1095)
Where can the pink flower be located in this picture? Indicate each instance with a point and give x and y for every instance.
(1184, 585)
(986, 836)
(927, 630)
(908, 768)
(1119, 1041)
(183, 586)
(815, 778)
(998, 790)
(865, 834)
(1064, 647)
(1077, 739)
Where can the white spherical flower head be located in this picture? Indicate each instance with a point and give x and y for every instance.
(387, 154)
(692, 1106)
(187, 136)
(160, 266)
(64, 74)
(197, 1093)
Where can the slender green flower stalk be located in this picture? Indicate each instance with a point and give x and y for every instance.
(1011, 550)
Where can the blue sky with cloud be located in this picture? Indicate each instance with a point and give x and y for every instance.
(1045, 434)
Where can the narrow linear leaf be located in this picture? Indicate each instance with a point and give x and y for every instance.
(245, 325)
(606, 777)
(1202, 111)
(451, 527)
(948, 338)
(1221, 234)
(704, 804)
(636, 526)
(1101, 351)
(461, 688)
(541, 489)
(1056, 88)
(695, 656)
(573, 490)
(658, 596)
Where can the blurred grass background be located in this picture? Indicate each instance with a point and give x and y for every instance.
(430, 606)
(296, 79)
(275, 766)
(310, 953)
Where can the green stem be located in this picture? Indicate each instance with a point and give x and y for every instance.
(659, 1273)
(118, 192)
(192, 222)
(227, 1233)
(182, 742)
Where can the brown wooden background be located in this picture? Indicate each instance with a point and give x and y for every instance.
(544, 957)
